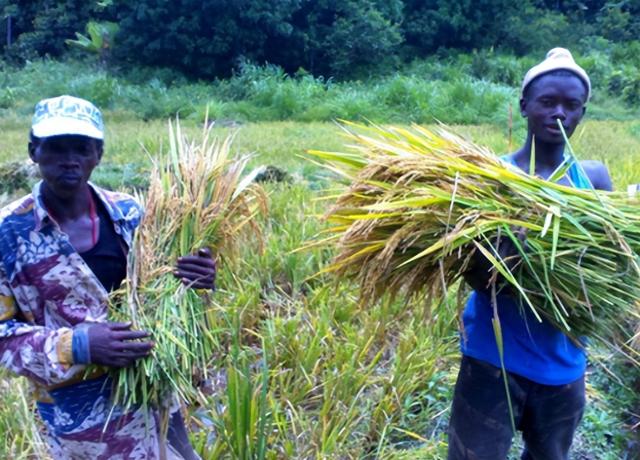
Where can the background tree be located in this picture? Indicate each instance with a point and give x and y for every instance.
(343, 39)
(201, 38)
(41, 26)
(465, 24)
(99, 40)
(207, 38)
(346, 39)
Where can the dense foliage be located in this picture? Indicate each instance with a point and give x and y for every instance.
(351, 38)
(33, 28)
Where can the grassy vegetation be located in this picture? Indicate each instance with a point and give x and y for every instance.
(455, 88)
(302, 368)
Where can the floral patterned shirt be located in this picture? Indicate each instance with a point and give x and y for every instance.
(46, 289)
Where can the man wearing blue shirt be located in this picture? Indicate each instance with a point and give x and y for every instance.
(545, 369)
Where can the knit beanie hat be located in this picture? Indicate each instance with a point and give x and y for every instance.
(557, 59)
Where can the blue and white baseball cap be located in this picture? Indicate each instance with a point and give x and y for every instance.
(66, 115)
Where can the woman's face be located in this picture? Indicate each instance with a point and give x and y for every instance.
(66, 162)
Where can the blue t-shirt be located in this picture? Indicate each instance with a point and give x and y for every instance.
(535, 350)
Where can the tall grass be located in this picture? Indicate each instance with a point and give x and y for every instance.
(22, 437)
(459, 88)
(244, 424)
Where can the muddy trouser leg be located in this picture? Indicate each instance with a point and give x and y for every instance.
(480, 425)
(550, 419)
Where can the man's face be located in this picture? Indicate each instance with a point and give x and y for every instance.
(66, 162)
(551, 98)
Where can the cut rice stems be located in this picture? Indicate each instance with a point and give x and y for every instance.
(421, 201)
(197, 198)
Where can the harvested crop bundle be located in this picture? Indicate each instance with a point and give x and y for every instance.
(421, 202)
(197, 198)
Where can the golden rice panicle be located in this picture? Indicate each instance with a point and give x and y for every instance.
(419, 203)
(199, 196)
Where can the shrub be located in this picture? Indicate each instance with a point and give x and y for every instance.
(99, 89)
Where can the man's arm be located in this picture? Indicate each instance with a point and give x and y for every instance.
(598, 174)
(50, 356)
(39, 353)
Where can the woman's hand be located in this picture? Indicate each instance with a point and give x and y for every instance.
(115, 344)
(197, 270)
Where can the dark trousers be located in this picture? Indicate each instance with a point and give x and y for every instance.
(480, 426)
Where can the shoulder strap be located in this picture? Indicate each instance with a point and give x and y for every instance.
(578, 177)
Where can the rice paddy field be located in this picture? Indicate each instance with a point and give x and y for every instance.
(300, 370)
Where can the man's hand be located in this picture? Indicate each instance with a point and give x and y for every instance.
(480, 273)
(198, 270)
(116, 345)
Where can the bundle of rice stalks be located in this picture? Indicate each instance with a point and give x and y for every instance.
(421, 202)
(197, 198)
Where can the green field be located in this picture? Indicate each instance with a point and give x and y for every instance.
(343, 381)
